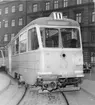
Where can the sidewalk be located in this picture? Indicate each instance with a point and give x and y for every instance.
(12, 93)
(89, 83)
(4, 82)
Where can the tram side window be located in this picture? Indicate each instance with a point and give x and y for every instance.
(5, 52)
(0, 55)
(23, 42)
(17, 45)
(15, 48)
(32, 39)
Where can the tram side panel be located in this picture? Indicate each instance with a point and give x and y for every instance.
(27, 65)
(7, 64)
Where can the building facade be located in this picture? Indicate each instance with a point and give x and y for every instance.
(12, 19)
(16, 14)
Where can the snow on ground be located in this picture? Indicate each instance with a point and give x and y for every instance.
(4, 82)
(34, 98)
(12, 94)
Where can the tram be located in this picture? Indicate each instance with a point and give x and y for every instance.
(47, 53)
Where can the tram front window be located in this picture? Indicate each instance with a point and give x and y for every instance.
(50, 37)
(70, 37)
(60, 37)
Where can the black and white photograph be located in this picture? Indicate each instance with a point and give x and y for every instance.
(47, 52)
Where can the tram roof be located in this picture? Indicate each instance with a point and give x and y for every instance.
(50, 21)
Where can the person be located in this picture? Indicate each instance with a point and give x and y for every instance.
(87, 67)
(73, 43)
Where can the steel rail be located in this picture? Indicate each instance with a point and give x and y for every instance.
(22, 96)
(67, 102)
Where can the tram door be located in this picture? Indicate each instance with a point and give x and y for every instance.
(10, 59)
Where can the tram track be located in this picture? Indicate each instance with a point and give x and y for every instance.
(82, 97)
(22, 96)
(66, 100)
(70, 98)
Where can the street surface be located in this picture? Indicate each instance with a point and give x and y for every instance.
(35, 98)
(90, 76)
(80, 98)
(4, 82)
(12, 94)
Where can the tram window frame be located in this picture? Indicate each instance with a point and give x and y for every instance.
(33, 43)
(0, 54)
(5, 52)
(15, 46)
(23, 40)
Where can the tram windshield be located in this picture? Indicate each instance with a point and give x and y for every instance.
(60, 37)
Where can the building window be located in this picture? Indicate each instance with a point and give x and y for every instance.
(93, 16)
(13, 9)
(6, 23)
(13, 23)
(0, 24)
(84, 36)
(21, 7)
(0, 11)
(79, 1)
(92, 57)
(35, 8)
(78, 17)
(20, 22)
(47, 5)
(12, 36)
(5, 37)
(65, 16)
(65, 3)
(30, 9)
(93, 36)
(56, 4)
(6, 10)
(86, 55)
